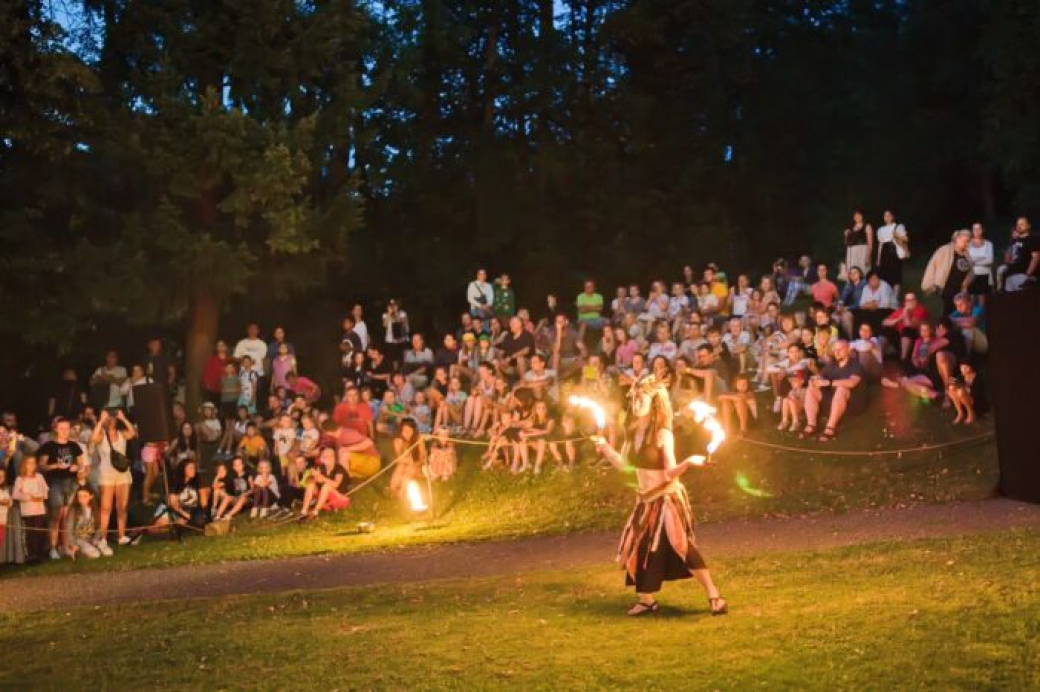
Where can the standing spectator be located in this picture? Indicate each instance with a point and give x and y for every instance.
(214, 371)
(1022, 257)
(68, 398)
(950, 270)
(159, 369)
(504, 306)
(273, 347)
(106, 384)
(60, 460)
(349, 344)
(397, 333)
(893, 247)
(248, 384)
(282, 365)
(357, 313)
(824, 291)
(981, 252)
(111, 434)
(590, 308)
(839, 384)
(481, 296)
(255, 349)
(31, 492)
(859, 243)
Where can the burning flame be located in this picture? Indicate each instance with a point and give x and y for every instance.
(592, 405)
(415, 497)
(705, 415)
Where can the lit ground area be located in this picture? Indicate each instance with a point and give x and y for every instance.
(961, 613)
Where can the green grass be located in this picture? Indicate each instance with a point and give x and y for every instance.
(482, 506)
(960, 614)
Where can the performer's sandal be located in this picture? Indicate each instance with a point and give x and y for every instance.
(717, 609)
(828, 435)
(809, 431)
(642, 609)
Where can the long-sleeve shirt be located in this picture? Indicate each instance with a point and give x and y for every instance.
(26, 489)
(982, 258)
(81, 524)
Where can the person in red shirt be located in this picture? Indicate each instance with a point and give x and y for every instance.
(903, 324)
(354, 414)
(824, 291)
(304, 386)
(214, 371)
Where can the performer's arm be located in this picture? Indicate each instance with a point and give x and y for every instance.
(609, 453)
(673, 470)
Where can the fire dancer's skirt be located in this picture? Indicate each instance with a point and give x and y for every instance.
(658, 544)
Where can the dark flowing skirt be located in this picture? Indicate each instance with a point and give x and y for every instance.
(658, 543)
(890, 267)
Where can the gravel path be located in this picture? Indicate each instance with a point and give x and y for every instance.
(732, 538)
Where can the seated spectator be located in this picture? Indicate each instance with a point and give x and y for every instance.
(839, 387)
(782, 370)
(356, 453)
(418, 363)
(253, 447)
(443, 459)
(901, 326)
(517, 347)
(265, 493)
(968, 394)
(823, 291)
(238, 491)
(391, 413)
(451, 412)
(538, 433)
(793, 402)
(921, 376)
(740, 401)
(738, 343)
(410, 456)
(876, 302)
(355, 414)
(970, 322)
(590, 309)
(325, 486)
(186, 503)
(303, 386)
(867, 349)
(711, 373)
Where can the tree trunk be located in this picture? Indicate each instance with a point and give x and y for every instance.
(203, 321)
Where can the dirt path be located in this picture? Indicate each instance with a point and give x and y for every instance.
(733, 538)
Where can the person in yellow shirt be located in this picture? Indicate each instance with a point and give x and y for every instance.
(253, 446)
(716, 280)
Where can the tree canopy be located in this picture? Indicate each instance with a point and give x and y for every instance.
(161, 161)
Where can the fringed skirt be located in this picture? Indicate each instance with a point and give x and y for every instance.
(658, 544)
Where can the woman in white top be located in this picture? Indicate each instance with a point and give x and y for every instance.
(981, 252)
(893, 246)
(113, 485)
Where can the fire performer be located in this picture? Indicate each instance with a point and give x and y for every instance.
(658, 543)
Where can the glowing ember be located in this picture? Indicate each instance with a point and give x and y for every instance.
(705, 415)
(415, 497)
(592, 405)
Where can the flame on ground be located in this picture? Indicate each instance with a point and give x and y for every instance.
(415, 497)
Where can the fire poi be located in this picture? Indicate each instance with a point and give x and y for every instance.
(658, 543)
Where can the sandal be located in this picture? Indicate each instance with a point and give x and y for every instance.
(827, 436)
(717, 609)
(809, 431)
(641, 608)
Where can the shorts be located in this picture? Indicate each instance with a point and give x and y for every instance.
(60, 493)
(153, 452)
(228, 410)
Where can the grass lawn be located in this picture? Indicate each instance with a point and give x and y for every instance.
(747, 481)
(934, 615)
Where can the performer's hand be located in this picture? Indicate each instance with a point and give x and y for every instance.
(599, 442)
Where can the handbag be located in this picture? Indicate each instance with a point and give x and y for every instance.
(120, 462)
(902, 246)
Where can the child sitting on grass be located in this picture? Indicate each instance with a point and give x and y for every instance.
(265, 490)
(325, 486)
(218, 488)
(450, 413)
(238, 489)
(793, 403)
(81, 525)
(421, 414)
(504, 440)
(443, 459)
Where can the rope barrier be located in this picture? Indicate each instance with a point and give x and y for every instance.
(857, 453)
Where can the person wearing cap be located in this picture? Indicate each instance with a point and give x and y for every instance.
(950, 270)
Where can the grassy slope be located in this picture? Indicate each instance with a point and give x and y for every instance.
(479, 506)
(939, 614)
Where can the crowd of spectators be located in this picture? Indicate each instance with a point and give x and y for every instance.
(269, 442)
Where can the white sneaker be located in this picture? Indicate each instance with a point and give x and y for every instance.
(104, 549)
(54, 554)
(263, 513)
(253, 513)
(125, 540)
